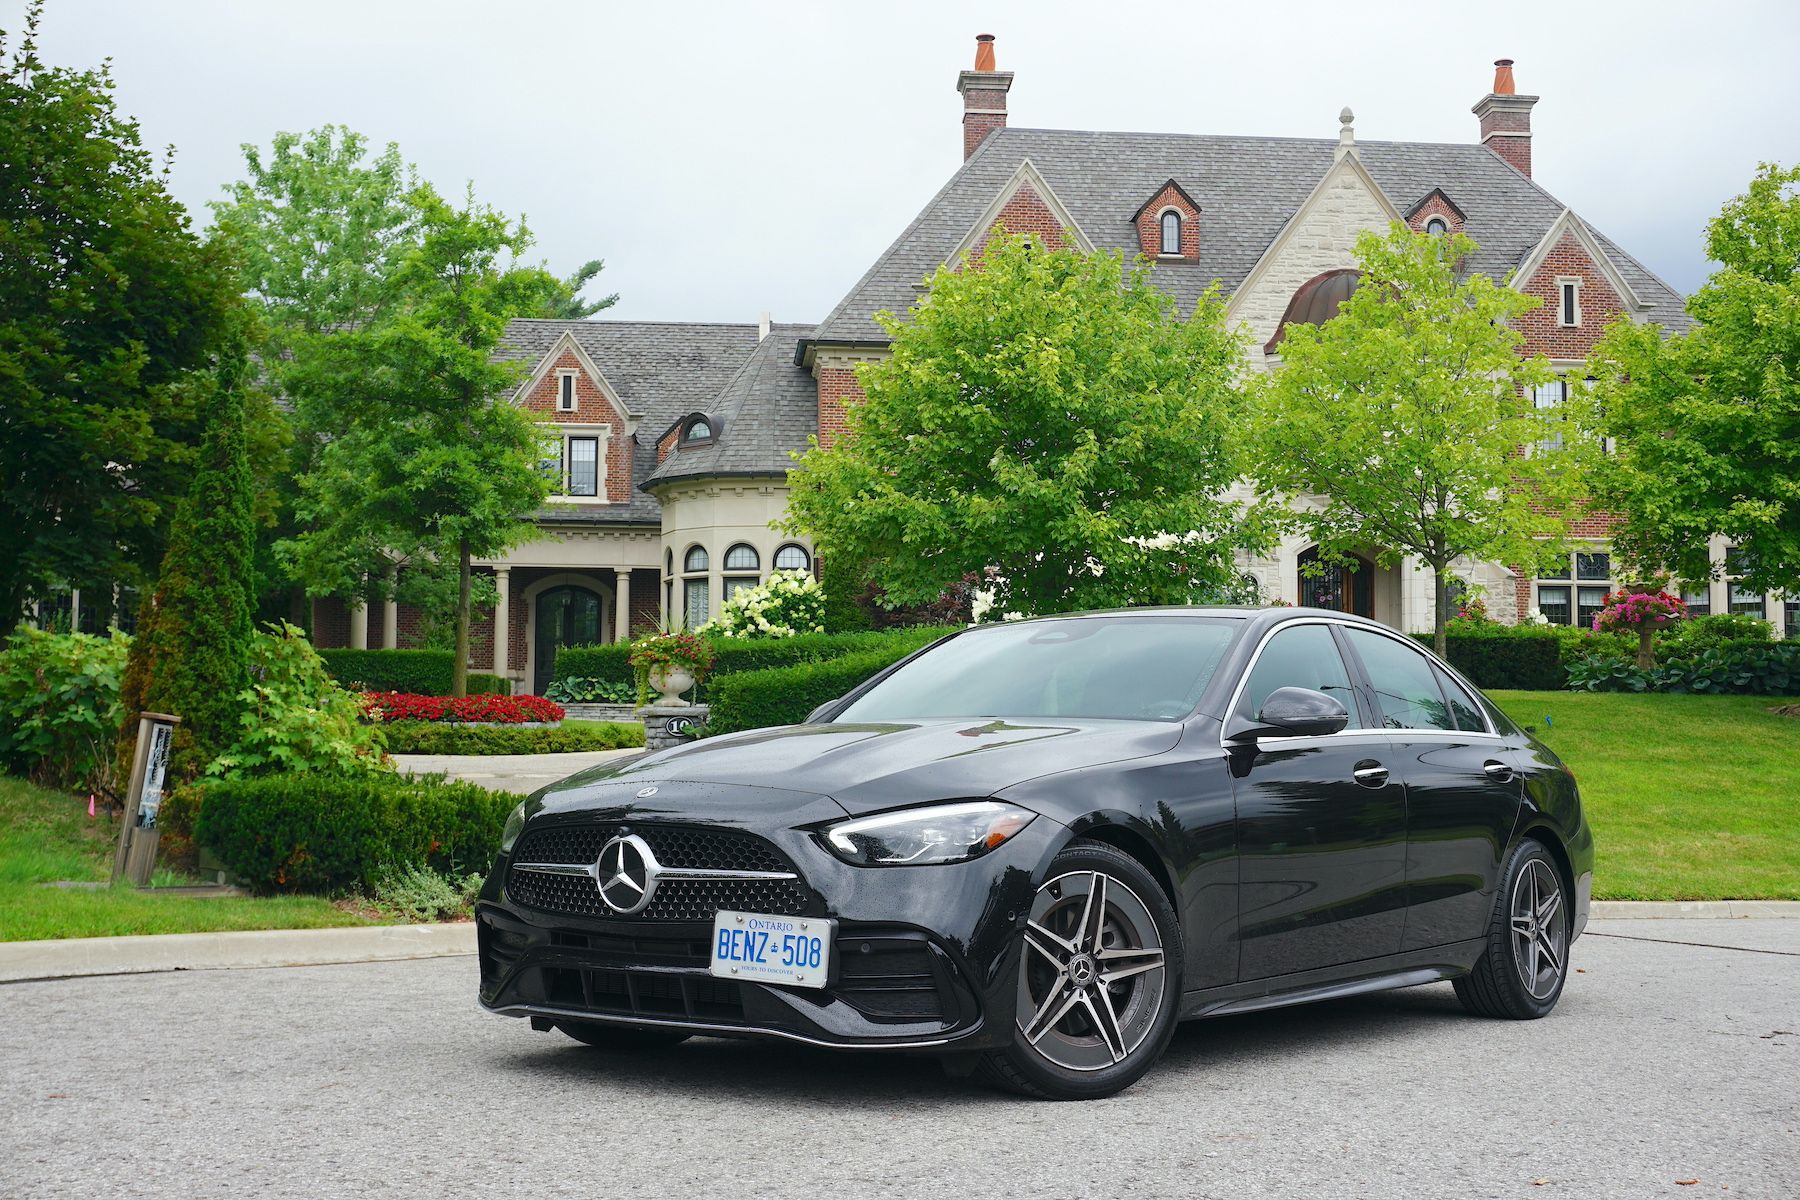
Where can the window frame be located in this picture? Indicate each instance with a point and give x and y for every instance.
(1162, 232)
(805, 556)
(1443, 226)
(1568, 302)
(566, 399)
(562, 435)
(690, 438)
(1573, 583)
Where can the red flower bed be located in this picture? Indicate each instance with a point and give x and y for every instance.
(494, 710)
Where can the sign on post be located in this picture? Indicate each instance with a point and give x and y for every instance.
(149, 776)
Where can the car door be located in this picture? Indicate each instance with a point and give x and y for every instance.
(1462, 788)
(1321, 824)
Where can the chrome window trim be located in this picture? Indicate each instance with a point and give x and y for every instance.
(1237, 693)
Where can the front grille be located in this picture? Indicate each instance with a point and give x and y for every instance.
(674, 846)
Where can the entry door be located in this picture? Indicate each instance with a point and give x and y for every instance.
(566, 616)
(1347, 589)
(1321, 850)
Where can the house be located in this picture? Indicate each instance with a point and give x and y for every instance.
(673, 439)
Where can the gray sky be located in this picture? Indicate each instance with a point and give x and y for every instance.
(730, 158)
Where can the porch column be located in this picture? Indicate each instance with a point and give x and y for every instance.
(390, 613)
(502, 618)
(622, 604)
(359, 626)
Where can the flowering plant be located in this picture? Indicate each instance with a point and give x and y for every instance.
(1642, 613)
(787, 604)
(1473, 610)
(488, 710)
(680, 651)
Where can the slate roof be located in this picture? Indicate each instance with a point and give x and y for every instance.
(768, 408)
(1247, 189)
(660, 370)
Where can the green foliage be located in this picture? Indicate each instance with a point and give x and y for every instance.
(191, 654)
(784, 605)
(1500, 657)
(1050, 414)
(608, 664)
(1768, 669)
(418, 894)
(1404, 415)
(330, 833)
(733, 656)
(295, 718)
(785, 695)
(566, 304)
(590, 691)
(1698, 634)
(108, 305)
(1707, 424)
(59, 707)
(420, 672)
(430, 737)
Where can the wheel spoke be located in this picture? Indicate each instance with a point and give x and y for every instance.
(1055, 1007)
(1531, 963)
(1047, 944)
(1099, 1006)
(1546, 912)
(1093, 914)
(1134, 962)
(1548, 949)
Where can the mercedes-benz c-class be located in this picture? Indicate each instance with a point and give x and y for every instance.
(1033, 847)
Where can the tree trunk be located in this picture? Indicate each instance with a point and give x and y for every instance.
(1440, 640)
(1646, 655)
(459, 667)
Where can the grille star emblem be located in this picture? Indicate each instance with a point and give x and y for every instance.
(626, 874)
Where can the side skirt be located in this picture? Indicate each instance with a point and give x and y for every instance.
(1408, 969)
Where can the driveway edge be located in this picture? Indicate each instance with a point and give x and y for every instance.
(64, 958)
(1614, 910)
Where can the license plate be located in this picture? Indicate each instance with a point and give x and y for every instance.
(768, 949)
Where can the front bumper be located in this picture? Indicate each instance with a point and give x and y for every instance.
(923, 957)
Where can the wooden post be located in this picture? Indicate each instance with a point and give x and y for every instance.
(138, 833)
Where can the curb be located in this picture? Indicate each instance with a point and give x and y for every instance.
(1662, 910)
(64, 958)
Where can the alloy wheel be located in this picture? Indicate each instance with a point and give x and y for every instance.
(1540, 923)
(1091, 986)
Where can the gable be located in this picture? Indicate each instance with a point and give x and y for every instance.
(1148, 220)
(1435, 204)
(1026, 204)
(596, 401)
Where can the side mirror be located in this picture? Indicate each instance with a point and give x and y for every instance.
(1296, 712)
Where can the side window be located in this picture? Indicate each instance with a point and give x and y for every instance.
(1406, 690)
(1300, 656)
(1463, 709)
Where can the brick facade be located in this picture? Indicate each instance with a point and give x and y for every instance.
(1599, 302)
(1435, 205)
(1149, 224)
(592, 407)
(331, 623)
(836, 385)
(1025, 212)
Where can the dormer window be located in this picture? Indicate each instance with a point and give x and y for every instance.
(699, 432)
(1568, 308)
(565, 392)
(1437, 227)
(1171, 232)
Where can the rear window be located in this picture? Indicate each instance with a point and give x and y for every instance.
(1127, 668)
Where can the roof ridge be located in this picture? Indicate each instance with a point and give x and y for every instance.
(590, 322)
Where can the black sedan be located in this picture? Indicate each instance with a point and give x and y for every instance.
(1033, 847)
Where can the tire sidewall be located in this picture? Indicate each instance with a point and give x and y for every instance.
(1530, 851)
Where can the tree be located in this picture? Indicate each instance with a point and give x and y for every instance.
(192, 651)
(108, 305)
(567, 305)
(1407, 422)
(432, 465)
(1706, 424)
(1047, 414)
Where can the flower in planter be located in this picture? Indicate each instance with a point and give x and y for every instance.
(1642, 613)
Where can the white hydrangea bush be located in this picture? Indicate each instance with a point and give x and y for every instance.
(787, 604)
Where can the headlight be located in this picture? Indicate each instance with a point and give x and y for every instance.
(515, 824)
(943, 833)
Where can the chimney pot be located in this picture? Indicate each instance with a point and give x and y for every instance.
(984, 52)
(1503, 77)
(984, 95)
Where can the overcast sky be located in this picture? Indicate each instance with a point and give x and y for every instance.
(725, 159)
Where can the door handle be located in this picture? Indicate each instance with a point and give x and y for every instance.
(1499, 772)
(1370, 773)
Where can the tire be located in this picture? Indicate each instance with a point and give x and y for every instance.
(1521, 973)
(623, 1039)
(1083, 1029)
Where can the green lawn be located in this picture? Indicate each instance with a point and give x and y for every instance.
(1690, 797)
(47, 835)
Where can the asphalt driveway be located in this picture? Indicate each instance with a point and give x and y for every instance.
(1674, 1056)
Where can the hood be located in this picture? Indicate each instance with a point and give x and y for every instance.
(866, 768)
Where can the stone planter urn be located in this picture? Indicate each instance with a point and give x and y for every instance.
(670, 683)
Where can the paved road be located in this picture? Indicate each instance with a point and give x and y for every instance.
(1663, 1063)
(508, 772)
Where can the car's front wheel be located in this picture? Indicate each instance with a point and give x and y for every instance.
(1099, 980)
(1521, 973)
(622, 1039)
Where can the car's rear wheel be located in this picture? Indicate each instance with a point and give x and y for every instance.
(623, 1039)
(1099, 979)
(1521, 973)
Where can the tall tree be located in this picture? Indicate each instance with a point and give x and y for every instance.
(1047, 413)
(1706, 424)
(432, 464)
(108, 304)
(567, 303)
(1408, 423)
(192, 651)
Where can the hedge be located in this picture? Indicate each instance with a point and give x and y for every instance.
(329, 834)
(784, 695)
(1513, 660)
(734, 656)
(424, 672)
(425, 737)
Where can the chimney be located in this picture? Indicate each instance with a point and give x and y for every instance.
(762, 326)
(1506, 118)
(984, 95)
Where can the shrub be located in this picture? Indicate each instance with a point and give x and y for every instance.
(733, 656)
(1771, 669)
(608, 665)
(498, 710)
(333, 833)
(416, 893)
(422, 672)
(785, 695)
(1502, 656)
(1640, 614)
(294, 717)
(424, 737)
(591, 691)
(785, 604)
(1697, 634)
(59, 707)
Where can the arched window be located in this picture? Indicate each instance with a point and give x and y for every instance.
(793, 558)
(696, 594)
(698, 430)
(1171, 232)
(742, 557)
(696, 560)
(1316, 302)
(668, 562)
(1437, 227)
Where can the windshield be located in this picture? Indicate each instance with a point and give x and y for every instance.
(1130, 668)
